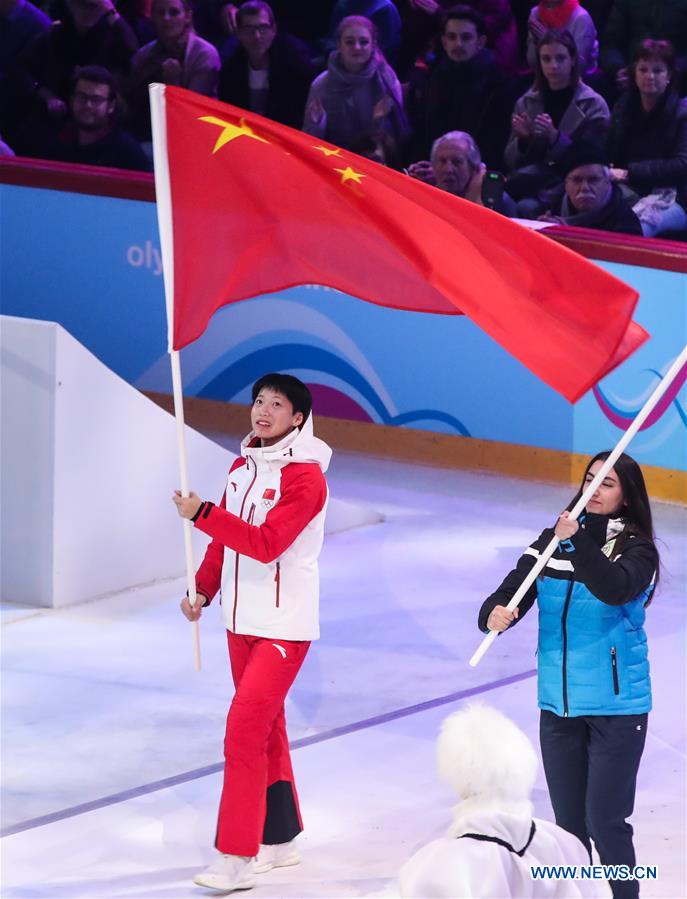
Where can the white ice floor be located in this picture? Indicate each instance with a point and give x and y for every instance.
(101, 705)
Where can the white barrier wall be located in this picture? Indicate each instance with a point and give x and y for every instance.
(88, 465)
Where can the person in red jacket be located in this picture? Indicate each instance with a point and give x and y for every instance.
(267, 535)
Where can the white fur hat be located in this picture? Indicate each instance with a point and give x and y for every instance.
(482, 753)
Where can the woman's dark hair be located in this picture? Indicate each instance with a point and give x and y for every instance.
(294, 390)
(563, 37)
(652, 51)
(636, 509)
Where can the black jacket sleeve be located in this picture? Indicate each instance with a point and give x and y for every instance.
(614, 582)
(510, 584)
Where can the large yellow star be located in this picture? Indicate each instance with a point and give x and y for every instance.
(328, 152)
(230, 131)
(349, 174)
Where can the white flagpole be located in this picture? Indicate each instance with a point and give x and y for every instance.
(164, 217)
(647, 409)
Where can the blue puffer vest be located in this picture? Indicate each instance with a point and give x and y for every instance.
(592, 657)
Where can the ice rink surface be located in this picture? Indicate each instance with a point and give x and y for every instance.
(112, 743)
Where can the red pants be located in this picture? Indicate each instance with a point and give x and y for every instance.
(259, 803)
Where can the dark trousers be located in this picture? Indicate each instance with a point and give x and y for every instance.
(591, 766)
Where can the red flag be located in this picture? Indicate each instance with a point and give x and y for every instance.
(251, 207)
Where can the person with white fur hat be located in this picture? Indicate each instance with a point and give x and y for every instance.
(494, 841)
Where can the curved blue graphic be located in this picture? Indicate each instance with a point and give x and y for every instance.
(289, 356)
(623, 418)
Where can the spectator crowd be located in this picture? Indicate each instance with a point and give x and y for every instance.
(569, 111)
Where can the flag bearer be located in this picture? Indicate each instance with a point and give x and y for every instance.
(266, 534)
(593, 666)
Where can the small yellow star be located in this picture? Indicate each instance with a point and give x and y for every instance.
(328, 152)
(230, 131)
(349, 174)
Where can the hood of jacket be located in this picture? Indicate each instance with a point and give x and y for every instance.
(299, 445)
(508, 821)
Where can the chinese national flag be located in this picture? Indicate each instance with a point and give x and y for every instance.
(248, 206)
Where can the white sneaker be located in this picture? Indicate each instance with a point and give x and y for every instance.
(278, 855)
(229, 872)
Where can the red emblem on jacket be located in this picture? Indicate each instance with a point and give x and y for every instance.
(270, 493)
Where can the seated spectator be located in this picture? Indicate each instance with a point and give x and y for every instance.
(493, 840)
(590, 198)
(632, 21)
(20, 23)
(268, 73)
(137, 14)
(456, 166)
(358, 93)
(384, 16)
(502, 32)
(423, 19)
(91, 135)
(377, 146)
(648, 141)
(307, 20)
(462, 90)
(91, 34)
(216, 23)
(565, 15)
(178, 56)
(558, 110)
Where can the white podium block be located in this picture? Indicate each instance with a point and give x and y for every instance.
(87, 469)
(88, 466)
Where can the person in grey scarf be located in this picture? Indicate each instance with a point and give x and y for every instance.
(358, 94)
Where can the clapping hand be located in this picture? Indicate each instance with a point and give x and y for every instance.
(522, 126)
(56, 107)
(422, 171)
(171, 70)
(382, 108)
(227, 17)
(543, 127)
(315, 111)
(536, 28)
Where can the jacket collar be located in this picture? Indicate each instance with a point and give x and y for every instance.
(299, 445)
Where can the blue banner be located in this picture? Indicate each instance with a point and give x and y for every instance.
(93, 265)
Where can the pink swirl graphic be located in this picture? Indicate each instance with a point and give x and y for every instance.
(623, 419)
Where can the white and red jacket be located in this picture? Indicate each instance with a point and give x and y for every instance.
(266, 538)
